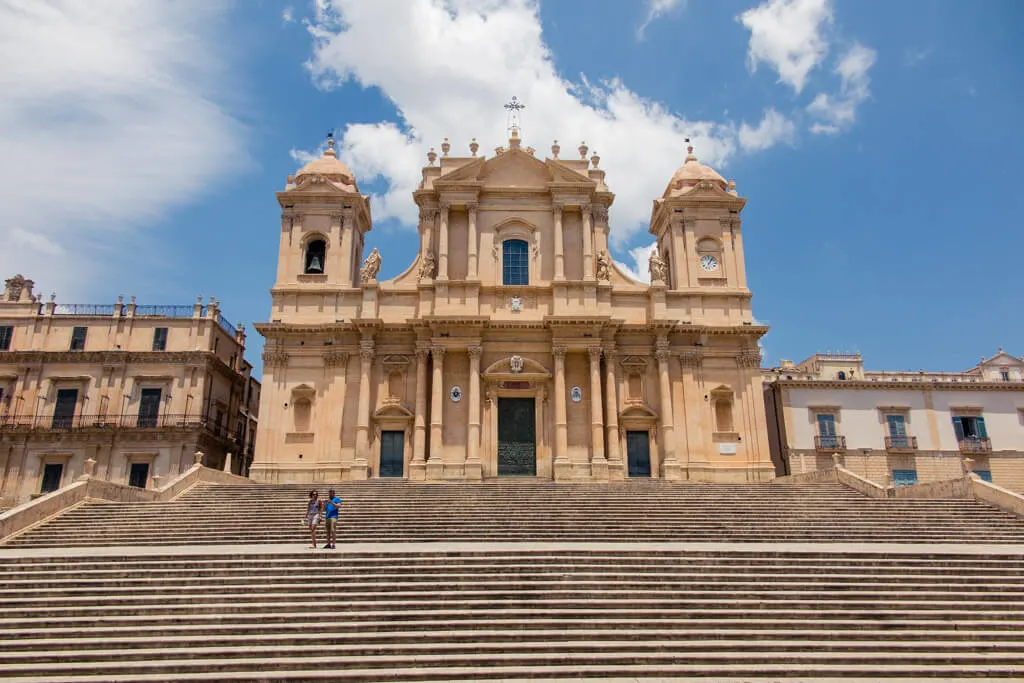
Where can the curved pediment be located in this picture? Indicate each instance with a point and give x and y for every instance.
(513, 367)
(393, 410)
(638, 410)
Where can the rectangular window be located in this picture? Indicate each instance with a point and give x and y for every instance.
(826, 424)
(6, 333)
(64, 409)
(515, 264)
(897, 426)
(52, 474)
(138, 476)
(986, 475)
(149, 407)
(160, 339)
(904, 477)
(1006, 375)
(78, 338)
(969, 427)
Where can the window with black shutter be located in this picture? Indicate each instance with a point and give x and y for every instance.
(6, 332)
(78, 338)
(160, 339)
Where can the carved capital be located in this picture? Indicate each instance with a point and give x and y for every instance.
(662, 355)
(749, 358)
(438, 353)
(609, 351)
(337, 216)
(427, 214)
(557, 208)
(586, 208)
(691, 358)
(475, 352)
(471, 207)
(366, 350)
(559, 352)
(335, 359)
(600, 213)
(274, 358)
(422, 353)
(444, 205)
(594, 352)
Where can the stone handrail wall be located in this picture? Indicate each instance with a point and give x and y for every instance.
(997, 495)
(859, 483)
(807, 477)
(951, 488)
(43, 508)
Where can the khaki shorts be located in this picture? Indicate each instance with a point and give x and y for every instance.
(332, 524)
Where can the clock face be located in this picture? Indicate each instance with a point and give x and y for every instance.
(708, 262)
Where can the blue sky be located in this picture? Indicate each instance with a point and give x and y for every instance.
(878, 143)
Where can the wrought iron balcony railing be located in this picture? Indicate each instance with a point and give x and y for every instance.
(975, 444)
(128, 421)
(901, 443)
(830, 443)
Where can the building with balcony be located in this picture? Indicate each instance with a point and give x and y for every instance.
(898, 427)
(137, 388)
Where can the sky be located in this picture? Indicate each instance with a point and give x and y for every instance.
(877, 142)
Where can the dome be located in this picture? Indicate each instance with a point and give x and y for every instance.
(690, 173)
(332, 168)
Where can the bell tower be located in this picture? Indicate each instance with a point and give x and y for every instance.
(323, 222)
(699, 241)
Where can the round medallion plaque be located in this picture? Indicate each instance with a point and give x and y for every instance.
(456, 394)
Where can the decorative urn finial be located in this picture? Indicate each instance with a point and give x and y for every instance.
(431, 156)
(445, 147)
(555, 149)
(583, 149)
(473, 146)
(595, 159)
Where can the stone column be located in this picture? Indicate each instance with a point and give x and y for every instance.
(588, 243)
(601, 228)
(561, 424)
(612, 411)
(436, 406)
(599, 463)
(366, 353)
(442, 246)
(427, 218)
(556, 212)
(472, 248)
(669, 465)
(419, 438)
(474, 467)
(346, 276)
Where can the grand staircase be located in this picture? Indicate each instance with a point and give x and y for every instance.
(518, 580)
(534, 510)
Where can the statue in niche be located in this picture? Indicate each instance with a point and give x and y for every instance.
(657, 267)
(371, 266)
(604, 267)
(428, 269)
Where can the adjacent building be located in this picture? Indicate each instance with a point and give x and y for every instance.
(136, 388)
(512, 345)
(898, 427)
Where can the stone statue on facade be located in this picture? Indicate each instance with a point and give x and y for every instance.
(371, 266)
(604, 267)
(428, 268)
(657, 267)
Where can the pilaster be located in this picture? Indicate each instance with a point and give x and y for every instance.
(598, 462)
(435, 464)
(474, 467)
(615, 465)
(418, 466)
(670, 469)
(562, 466)
(362, 459)
(556, 212)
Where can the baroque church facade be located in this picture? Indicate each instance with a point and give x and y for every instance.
(513, 345)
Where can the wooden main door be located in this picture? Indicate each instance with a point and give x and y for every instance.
(638, 453)
(517, 437)
(392, 454)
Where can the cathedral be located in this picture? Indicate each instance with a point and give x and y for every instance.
(512, 345)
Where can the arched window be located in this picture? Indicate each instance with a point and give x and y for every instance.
(315, 253)
(515, 265)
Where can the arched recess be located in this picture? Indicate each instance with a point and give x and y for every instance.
(709, 257)
(302, 400)
(314, 254)
(722, 408)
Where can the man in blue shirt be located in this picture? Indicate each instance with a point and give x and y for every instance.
(331, 508)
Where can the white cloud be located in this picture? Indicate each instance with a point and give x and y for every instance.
(108, 120)
(288, 14)
(773, 129)
(450, 66)
(838, 113)
(787, 36)
(655, 9)
(639, 270)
